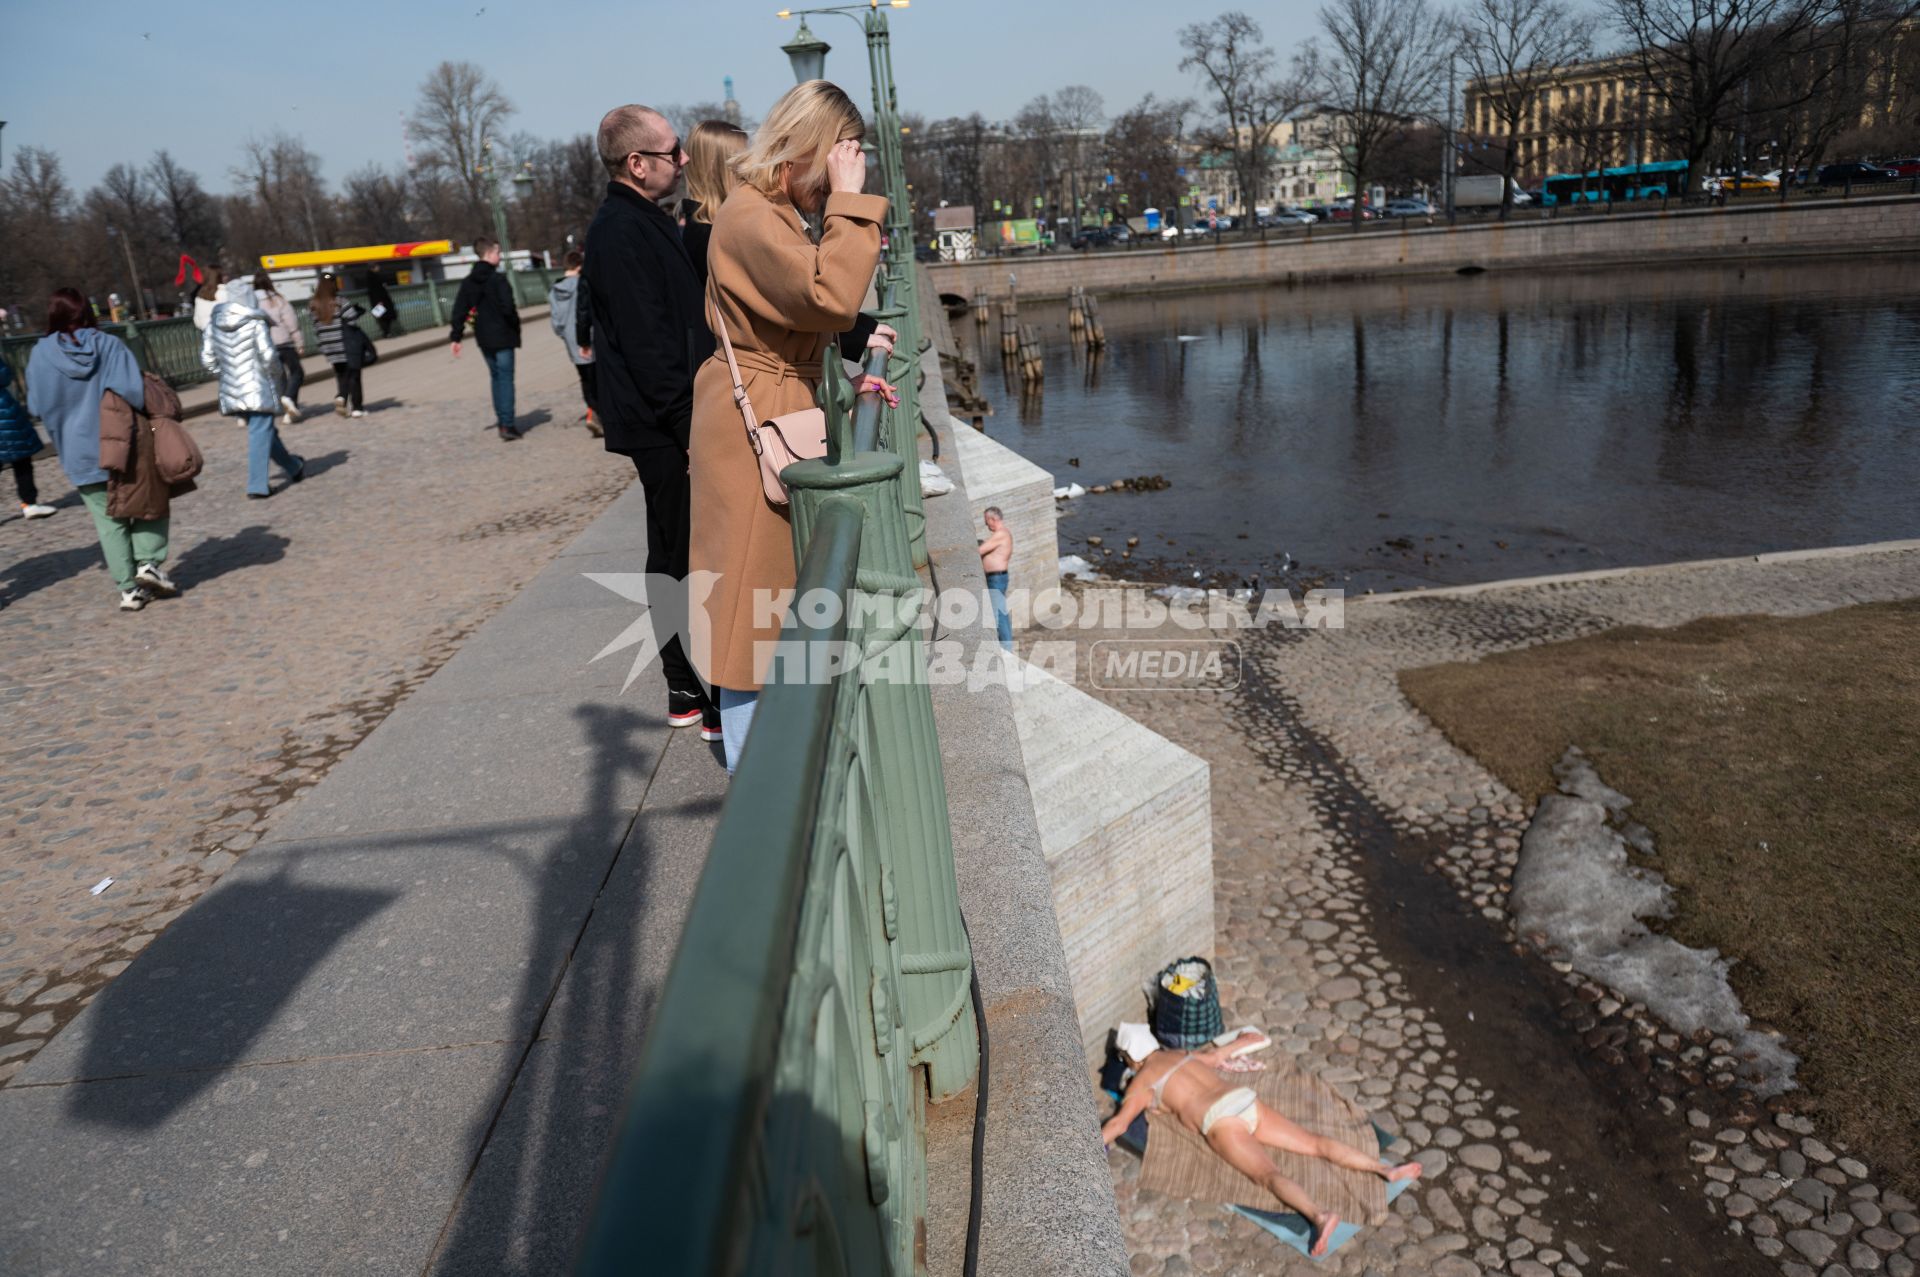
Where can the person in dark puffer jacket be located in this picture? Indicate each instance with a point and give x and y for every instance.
(19, 444)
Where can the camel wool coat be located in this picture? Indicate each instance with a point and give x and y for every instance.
(782, 297)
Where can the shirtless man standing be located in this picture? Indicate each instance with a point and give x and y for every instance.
(996, 552)
(1234, 1122)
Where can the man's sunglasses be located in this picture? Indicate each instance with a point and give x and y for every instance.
(673, 154)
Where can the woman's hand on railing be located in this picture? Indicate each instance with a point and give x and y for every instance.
(883, 338)
(871, 385)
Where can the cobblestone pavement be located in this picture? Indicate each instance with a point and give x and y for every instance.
(1362, 865)
(153, 748)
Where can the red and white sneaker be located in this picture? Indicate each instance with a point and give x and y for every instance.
(684, 709)
(710, 725)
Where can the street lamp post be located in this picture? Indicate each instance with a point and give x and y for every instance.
(522, 180)
(127, 244)
(808, 54)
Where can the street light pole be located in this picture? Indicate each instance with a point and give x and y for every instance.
(132, 270)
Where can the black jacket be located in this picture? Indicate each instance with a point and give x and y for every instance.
(695, 234)
(486, 295)
(648, 331)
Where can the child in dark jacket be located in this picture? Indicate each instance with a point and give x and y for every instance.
(19, 444)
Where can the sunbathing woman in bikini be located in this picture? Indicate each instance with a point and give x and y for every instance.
(1233, 1121)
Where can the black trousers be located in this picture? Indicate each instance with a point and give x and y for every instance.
(663, 475)
(292, 375)
(30, 491)
(589, 386)
(347, 385)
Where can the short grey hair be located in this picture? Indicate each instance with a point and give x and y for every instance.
(993, 510)
(624, 130)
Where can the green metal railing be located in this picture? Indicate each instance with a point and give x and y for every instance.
(819, 997)
(171, 347)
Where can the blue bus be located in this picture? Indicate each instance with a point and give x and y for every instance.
(1628, 182)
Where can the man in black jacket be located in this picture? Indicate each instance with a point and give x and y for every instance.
(648, 338)
(486, 295)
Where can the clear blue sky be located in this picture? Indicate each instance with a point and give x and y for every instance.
(118, 79)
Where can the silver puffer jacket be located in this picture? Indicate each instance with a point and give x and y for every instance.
(237, 347)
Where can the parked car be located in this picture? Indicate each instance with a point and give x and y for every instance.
(1903, 168)
(1288, 215)
(1343, 212)
(1091, 237)
(925, 253)
(1409, 207)
(1743, 183)
(1856, 173)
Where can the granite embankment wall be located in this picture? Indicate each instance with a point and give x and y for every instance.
(1884, 224)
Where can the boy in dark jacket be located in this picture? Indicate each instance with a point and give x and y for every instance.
(486, 295)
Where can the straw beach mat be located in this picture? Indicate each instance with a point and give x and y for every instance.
(1179, 1162)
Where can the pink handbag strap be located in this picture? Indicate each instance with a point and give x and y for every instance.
(740, 398)
(739, 388)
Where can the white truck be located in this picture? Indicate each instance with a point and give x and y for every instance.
(1484, 192)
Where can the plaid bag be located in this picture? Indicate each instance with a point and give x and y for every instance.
(1190, 1020)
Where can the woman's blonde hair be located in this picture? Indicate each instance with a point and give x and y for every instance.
(801, 129)
(710, 149)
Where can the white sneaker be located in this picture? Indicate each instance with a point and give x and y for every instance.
(135, 599)
(155, 582)
(340, 405)
(289, 407)
(37, 511)
(357, 412)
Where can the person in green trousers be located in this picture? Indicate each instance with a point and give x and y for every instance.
(70, 369)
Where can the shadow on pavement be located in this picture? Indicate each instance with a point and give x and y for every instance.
(381, 405)
(535, 1181)
(215, 556)
(31, 575)
(529, 421)
(175, 1003)
(317, 466)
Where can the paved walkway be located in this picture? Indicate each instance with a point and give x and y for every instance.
(1597, 1148)
(155, 748)
(392, 1037)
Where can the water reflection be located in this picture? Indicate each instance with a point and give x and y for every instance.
(1463, 429)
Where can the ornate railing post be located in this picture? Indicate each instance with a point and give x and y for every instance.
(910, 815)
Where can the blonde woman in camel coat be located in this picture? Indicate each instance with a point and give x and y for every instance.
(783, 295)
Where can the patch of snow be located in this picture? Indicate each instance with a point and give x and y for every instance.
(1575, 887)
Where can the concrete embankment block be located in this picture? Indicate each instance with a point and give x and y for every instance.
(999, 476)
(1127, 829)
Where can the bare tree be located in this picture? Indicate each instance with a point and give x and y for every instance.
(459, 109)
(1144, 150)
(1710, 62)
(1516, 49)
(282, 177)
(191, 217)
(376, 207)
(1381, 75)
(1230, 56)
(1582, 138)
(36, 212)
(1838, 70)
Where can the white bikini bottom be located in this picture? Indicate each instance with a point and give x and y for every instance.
(1239, 1103)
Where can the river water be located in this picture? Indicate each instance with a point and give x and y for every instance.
(1390, 435)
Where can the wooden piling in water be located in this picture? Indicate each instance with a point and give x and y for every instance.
(980, 305)
(1094, 331)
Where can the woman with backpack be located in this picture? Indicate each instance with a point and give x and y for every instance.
(236, 347)
(69, 372)
(333, 317)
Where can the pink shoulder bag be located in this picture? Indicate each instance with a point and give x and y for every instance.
(790, 437)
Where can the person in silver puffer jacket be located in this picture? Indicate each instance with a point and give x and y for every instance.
(237, 348)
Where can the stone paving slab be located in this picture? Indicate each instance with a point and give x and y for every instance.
(316, 1167)
(531, 1191)
(464, 763)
